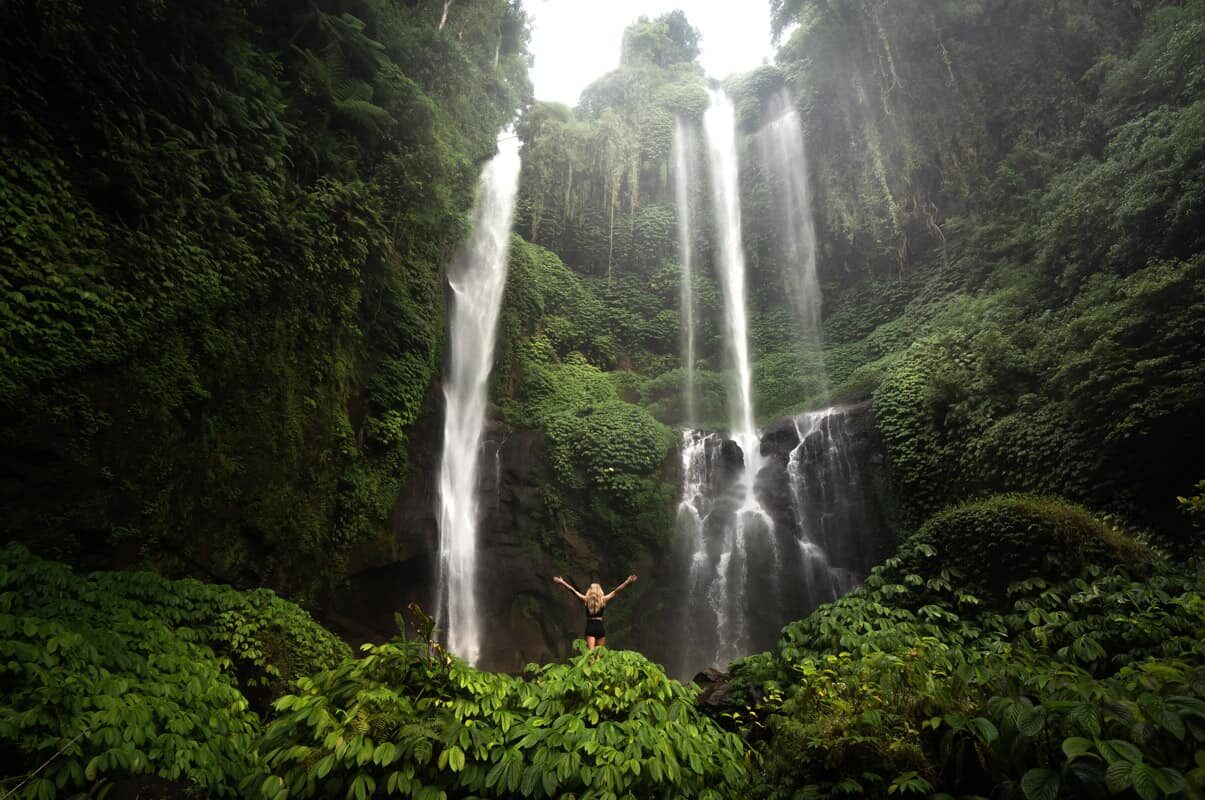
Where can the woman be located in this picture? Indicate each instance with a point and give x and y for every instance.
(596, 604)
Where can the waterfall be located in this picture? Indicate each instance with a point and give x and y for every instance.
(719, 123)
(784, 156)
(476, 278)
(683, 146)
(830, 505)
(817, 542)
(744, 546)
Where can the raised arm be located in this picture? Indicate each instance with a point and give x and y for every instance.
(608, 598)
(563, 582)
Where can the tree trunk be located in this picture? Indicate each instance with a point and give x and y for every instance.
(443, 20)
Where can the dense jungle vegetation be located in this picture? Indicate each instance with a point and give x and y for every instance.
(223, 228)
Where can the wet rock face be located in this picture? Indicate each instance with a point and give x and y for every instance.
(525, 616)
(836, 466)
(737, 570)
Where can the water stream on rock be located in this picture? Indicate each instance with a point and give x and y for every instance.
(476, 278)
(784, 159)
(818, 540)
(684, 146)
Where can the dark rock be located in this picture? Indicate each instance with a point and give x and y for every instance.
(714, 689)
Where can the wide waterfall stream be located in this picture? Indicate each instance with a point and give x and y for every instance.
(819, 539)
(771, 523)
(477, 277)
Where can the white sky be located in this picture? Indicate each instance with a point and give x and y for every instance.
(576, 41)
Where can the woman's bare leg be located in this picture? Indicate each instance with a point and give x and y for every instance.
(602, 640)
(590, 642)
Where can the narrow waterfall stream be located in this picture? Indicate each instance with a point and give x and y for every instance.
(684, 151)
(832, 507)
(476, 277)
(784, 158)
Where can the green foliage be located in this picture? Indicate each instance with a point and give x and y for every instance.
(406, 720)
(1194, 506)
(663, 396)
(129, 674)
(913, 684)
(669, 39)
(910, 105)
(995, 542)
(225, 225)
(603, 457)
(1082, 400)
(595, 185)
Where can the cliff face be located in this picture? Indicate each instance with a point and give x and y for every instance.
(818, 485)
(526, 617)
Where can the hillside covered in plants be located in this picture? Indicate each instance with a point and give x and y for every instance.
(963, 532)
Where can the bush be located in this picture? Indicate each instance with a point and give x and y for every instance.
(1087, 687)
(407, 719)
(991, 543)
(117, 673)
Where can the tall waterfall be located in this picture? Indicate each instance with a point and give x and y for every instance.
(684, 146)
(719, 124)
(476, 277)
(771, 523)
(733, 545)
(784, 156)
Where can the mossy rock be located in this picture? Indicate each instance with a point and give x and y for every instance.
(1011, 537)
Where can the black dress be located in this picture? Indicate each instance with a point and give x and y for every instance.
(594, 624)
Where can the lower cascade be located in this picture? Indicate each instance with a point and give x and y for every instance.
(739, 577)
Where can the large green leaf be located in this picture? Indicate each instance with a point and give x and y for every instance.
(1040, 784)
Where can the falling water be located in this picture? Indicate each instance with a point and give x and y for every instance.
(830, 503)
(784, 157)
(697, 619)
(819, 545)
(683, 157)
(719, 123)
(476, 276)
(732, 539)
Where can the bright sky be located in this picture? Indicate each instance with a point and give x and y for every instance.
(576, 41)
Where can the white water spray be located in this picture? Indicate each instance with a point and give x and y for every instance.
(821, 496)
(476, 277)
(719, 123)
(683, 157)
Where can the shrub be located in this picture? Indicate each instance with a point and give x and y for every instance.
(407, 719)
(1086, 687)
(994, 542)
(116, 690)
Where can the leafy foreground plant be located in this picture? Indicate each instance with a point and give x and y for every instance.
(1080, 687)
(411, 721)
(113, 675)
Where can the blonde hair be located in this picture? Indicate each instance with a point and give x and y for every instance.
(594, 599)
